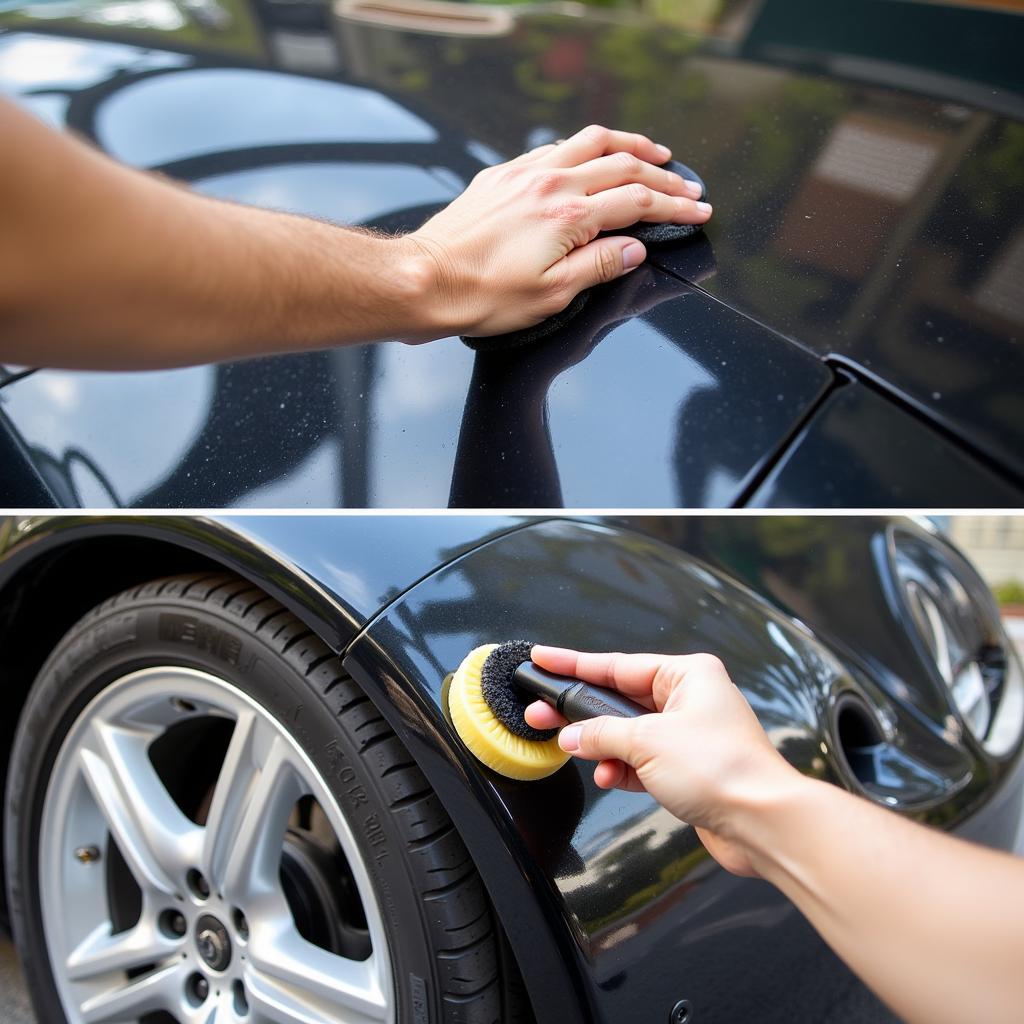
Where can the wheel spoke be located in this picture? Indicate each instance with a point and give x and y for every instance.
(160, 990)
(248, 841)
(291, 979)
(100, 952)
(232, 795)
(151, 832)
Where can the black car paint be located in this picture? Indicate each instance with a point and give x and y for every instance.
(333, 578)
(615, 892)
(699, 382)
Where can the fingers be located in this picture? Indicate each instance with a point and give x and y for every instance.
(611, 773)
(619, 207)
(597, 262)
(601, 739)
(624, 168)
(631, 674)
(595, 140)
(543, 716)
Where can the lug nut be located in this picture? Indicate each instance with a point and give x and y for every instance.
(172, 922)
(240, 1001)
(87, 854)
(198, 988)
(241, 925)
(199, 886)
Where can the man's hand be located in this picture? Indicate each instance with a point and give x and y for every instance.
(704, 757)
(521, 241)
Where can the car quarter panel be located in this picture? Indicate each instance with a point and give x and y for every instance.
(605, 881)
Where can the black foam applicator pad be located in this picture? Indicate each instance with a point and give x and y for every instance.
(649, 234)
(528, 335)
(501, 693)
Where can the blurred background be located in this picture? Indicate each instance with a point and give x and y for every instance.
(996, 546)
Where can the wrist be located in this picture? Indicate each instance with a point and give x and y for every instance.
(768, 819)
(440, 285)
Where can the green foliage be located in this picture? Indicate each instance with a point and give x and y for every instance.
(1009, 592)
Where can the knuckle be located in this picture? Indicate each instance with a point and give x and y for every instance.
(668, 673)
(544, 183)
(611, 667)
(628, 164)
(593, 735)
(641, 195)
(597, 133)
(556, 296)
(606, 266)
(708, 662)
(572, 211)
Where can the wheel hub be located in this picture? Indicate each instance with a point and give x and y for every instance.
(213, 943)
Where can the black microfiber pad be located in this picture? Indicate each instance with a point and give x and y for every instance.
(649, 234)
(664, 234)
(501, 693)
(528, 335)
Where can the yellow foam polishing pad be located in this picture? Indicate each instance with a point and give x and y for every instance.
(486, 738)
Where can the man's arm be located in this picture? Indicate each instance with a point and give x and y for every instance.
(934, 925)
(102, 265)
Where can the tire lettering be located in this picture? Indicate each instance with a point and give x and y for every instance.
(418, 999)
(186, 629)
(375, 836)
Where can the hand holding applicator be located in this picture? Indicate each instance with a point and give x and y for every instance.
(489, 693)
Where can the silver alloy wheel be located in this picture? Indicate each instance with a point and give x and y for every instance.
(241, 936)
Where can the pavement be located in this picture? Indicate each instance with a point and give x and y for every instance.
(14, 1004)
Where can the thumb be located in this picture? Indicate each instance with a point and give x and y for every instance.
(599, 739)
(602, 260)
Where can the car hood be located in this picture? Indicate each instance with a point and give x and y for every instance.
(865, 222)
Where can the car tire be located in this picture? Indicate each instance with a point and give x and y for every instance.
(448, 958)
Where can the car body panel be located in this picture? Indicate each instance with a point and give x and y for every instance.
(831, 575)
(858, 450)
(612, 907)
(333, 573)
(388, 122)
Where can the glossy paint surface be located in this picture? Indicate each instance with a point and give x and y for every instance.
(858, 450)
(864, 159)
(334, 573)
(864, 209)
(679, 403)
(630, 897)
(832, 575)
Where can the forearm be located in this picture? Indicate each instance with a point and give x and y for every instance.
(123, 269)
(932, 924)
